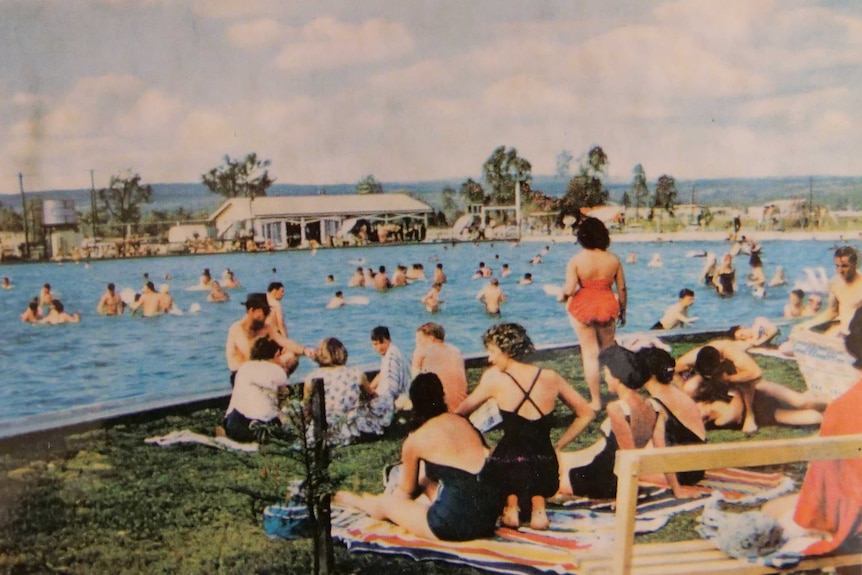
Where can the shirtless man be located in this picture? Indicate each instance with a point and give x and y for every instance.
(439, 274)
(110, 302)
(244, 332)
(274, 295)
(149, 301)
(432, 298)
(676, 315)
(492, 296)
(433, 355)
(723, 362)
(399, 278)
(33, 313)
(845, 294)
(357, 279)
(46, 297)
(381, 280)
(217, 294)
(337, 301)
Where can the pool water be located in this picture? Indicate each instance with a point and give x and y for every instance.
(110, 364)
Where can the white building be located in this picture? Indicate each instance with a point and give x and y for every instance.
(289, 221)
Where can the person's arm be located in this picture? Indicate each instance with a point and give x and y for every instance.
(687, 360)
(659, 439)
(286, 344)
(620, 426)
(480, 395)
(584, 414)
(829, 313)
(766, 328)
(571, 284)
(416, 364)
(409, 479)
(622, 292)
(101, 305)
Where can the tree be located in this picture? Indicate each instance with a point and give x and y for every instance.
(472, 192)
(10, 220)
(564, 164)
(501, 170)
(247, 178)
(585, 189)
(450, 202)
(639, 189)
(368, 185)
(665, 194)
(123, 197)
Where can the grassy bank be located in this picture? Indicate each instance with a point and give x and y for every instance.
(103, 501)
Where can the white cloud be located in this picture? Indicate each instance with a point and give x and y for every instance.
(233, 9)
(255, 34)
(327, 43)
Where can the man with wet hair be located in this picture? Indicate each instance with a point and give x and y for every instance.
(845, 294)
(434, 355)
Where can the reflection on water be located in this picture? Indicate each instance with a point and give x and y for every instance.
(137, 361)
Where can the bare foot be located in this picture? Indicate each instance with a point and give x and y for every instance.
(510, 517)
(220, 432)
(539, 520)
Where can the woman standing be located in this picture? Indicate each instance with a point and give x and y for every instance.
(593, 308)
(524, 463)
(442, 493)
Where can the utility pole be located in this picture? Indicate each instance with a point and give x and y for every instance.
(93, 213)
(810, 200)
(693, 188)
(24, 216)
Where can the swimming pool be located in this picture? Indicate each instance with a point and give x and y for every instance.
(111, 364)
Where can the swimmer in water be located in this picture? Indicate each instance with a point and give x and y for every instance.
(217, 294)
(7, 283)
(110, 303)
(492, 296)
(381, 280)
(148, 303)
(32, 314)
(399, 277)
(229, 280)
(336, 301)
(439, 274)
(46, 297)
(632, 258)
(416, 273)
(206, 278)
(330, 279)
(655, 262)
(432, 298)
(166, 300)
(357, 279)
(526, 280)
(506, 271)
(57, 315)
(537, 259)
(794, 307)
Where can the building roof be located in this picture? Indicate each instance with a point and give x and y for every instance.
(346, 205)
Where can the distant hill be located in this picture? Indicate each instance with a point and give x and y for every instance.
(834, 192)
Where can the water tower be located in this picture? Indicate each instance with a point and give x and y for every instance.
(61, 224)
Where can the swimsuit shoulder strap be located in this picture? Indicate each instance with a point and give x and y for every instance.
(526, 392)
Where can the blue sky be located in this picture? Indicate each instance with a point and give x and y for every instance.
(331, 91)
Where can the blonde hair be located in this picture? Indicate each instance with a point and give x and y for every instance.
(331, 352)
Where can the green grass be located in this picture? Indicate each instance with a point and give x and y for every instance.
(105, 502)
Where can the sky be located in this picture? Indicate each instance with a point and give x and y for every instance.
(332, 91)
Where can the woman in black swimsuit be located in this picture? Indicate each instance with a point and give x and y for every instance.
(442, 458)
(524, 462)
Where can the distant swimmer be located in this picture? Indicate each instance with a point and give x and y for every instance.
(357, 279)
(148, 303)
(33, 313)
(676, 315)
(526, 280)
(545, 250)
(6, 284)
(483, 271)
(724, 278)
(46, 297)
(166, 300)
(632, 258)
(228, 280)
(110, 303)
(813, 305)
(439, 274)
(206, 278)
(506, 271)
(537, 259)
(432, 301)
(655, 262)
(58, 315)
(369, 277)
(492, 296)
(399, 277)
(416, 273)
(330, 279)
(337, 301)
(381, 280)
(217, 294)
(274, 295)
(708, 272)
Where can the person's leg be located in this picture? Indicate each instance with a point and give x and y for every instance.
(798, 417)
(409, 514)
(791, 398)
(589, 344)
(746, 392)
(539, 517)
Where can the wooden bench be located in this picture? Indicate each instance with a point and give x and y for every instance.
(700, 556)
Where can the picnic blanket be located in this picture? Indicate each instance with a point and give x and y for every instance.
(187, 436)
(579, 527)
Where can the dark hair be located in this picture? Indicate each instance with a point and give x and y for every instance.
(428, 398)
(111, 287)
(46, 286)
(731, 333)
(264, 349)
(58, 305)
(853, 341)
(274, 286)
(331, 352)
(339, 293)
(593, 235)
(380, 333)
(511, 338)
(657, 363)
(685, 292)
(624, 366)
(435, 330)
(710, 365)
(798, 293)
(848, 252)
(382, 269)
(33, 305)
(151, 286)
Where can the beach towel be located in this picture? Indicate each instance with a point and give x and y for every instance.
(187, 436)
(580, 527)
